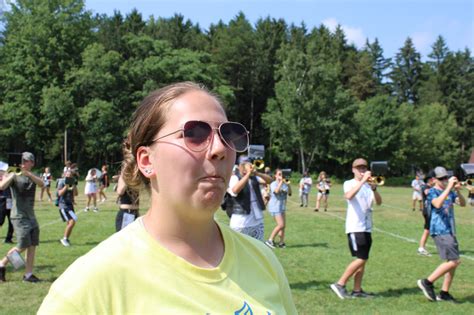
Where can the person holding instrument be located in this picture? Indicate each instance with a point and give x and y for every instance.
(324, 186)
(23, 188)
(176, 259)
(128, 200)
(443, 231)
(67, 190)
(360, 193)
(247, 200)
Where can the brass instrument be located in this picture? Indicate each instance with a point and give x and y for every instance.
(467, 182)
(69, 181)
(14, 169)
(287, 181)
(259, 164)
(377, 180)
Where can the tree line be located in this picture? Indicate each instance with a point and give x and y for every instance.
(313, 99)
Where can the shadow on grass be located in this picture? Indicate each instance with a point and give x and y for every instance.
(313, 284)
(325, 245)
(468, 299)
(465, 252)
(400, 292)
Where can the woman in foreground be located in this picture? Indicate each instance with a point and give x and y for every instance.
(176, 259)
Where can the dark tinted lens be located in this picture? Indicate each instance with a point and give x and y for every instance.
(196, 135)
(235, 136)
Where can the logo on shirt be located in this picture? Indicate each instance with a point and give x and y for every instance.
(246, 310)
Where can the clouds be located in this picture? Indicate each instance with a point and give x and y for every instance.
(354, 35)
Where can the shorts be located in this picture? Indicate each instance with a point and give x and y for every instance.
(448, 247)
(27, 232)
(255, 231)
(273, 214)
(359, 244)
(416, 196)
(67, 213)
(119, 217)
(323, 193)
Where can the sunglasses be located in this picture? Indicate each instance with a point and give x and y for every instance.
(198, 134)
(443, 178)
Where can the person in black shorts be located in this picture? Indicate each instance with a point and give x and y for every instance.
(104, 183)
(426, 212)
(128, 200)
(67, 190)
(360, 193)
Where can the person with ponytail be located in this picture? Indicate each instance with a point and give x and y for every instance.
(176, 258)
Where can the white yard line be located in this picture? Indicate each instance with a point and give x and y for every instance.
(406, 239)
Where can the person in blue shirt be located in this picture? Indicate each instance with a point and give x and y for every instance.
(441, 198)
(279, 191)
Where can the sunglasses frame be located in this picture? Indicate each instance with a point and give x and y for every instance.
(217, 130)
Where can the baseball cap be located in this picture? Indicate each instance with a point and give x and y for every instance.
(27, 156)
(359, 162)
(244, 159)
(440, 172)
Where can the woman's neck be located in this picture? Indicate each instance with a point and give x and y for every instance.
(195, 239)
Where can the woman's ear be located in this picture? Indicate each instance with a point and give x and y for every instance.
(144, 162)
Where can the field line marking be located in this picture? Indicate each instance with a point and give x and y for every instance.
(410, 240)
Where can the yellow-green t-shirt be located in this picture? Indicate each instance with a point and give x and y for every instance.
(131, 273)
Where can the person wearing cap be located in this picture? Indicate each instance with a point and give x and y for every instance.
(23, 188)
(248, 204)
(442, 197)
(426, 212)
(416, 185)
(360, 193)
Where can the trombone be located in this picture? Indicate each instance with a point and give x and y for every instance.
(377, 180)
(258, 164)
(14, 169)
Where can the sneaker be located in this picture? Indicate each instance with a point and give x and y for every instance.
(325, 209)
(2, 274)
(95, 209)
(8, 241)
(282, 245)
(446, 297)
(362, 294)
(423, 252)
(413, 209)
(301, 205)
(340, 291)
(32, 279)
(270, 243)
(86, 209)
(316, 209)
(428, 289)
(65, 242)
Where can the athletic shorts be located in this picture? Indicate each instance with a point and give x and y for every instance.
(27, 232)
(323, 193)
(426, 216)
(447, 245)
(359, 244)
(67, 213)
(416, 196)
(273, 214)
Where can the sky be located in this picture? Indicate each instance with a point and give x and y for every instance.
(388, 20)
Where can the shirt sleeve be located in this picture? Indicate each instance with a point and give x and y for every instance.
(233, 181)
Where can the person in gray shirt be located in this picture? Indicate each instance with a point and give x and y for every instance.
(23, 188)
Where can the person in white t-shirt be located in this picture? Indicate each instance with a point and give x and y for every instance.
(304, 188)
(416, 185)
(360, 194)
(247, 203)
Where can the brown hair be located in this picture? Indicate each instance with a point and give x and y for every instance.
(321, 175)
(147, 121)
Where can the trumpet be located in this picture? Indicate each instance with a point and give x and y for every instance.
(259, 164)
(467, 182)
(14, 169)
(286, 181)
(377, 180)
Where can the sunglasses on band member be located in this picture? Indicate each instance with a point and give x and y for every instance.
(443, 178)
(198, 134)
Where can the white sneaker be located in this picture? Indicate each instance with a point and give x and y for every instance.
(423, 252)
(95, 209)
(65, 242)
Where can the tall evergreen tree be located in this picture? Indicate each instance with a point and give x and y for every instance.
(406, 73)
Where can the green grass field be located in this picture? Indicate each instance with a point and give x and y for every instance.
(315, 256)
